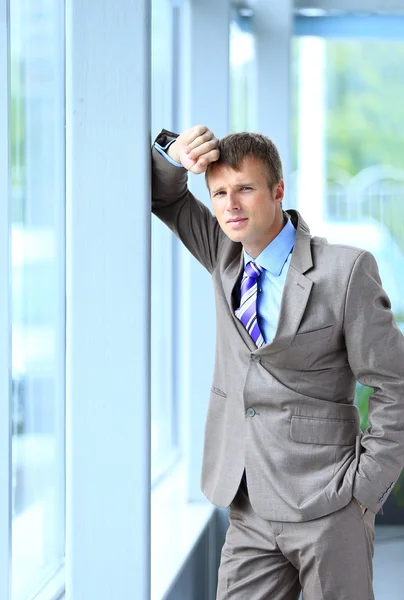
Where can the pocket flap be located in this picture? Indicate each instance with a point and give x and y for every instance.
(328, 432)
(312, 336)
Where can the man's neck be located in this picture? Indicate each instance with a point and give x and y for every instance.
(255, 250)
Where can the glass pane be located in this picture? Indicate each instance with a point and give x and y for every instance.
(242, 75)
(348, 155)
(350, 142)
(38, 291)
(164, 417)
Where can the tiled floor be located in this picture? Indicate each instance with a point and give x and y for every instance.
(389, 563)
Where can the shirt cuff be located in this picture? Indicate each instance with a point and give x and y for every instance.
(162, 150)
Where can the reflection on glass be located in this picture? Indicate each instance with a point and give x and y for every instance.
(348, 158)
(38, 290)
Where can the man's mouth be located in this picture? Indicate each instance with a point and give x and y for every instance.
(238, 223)
(237, 220)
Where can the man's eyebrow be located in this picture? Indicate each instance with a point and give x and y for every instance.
(238, 185)
(246, 184)
(219, 189)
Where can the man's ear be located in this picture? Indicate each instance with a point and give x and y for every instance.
(280, 191)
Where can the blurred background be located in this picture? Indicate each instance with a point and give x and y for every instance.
(325, 80)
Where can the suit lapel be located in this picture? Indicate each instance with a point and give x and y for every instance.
(297, 288)
(294, 301)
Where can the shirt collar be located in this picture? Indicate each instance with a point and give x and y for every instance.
(274, 256)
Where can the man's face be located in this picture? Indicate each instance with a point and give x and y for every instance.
(247, 209)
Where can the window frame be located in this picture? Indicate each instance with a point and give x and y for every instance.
(163, 265)
(358, 26)
(363, 6)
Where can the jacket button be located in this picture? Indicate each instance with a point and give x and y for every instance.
(255, 358)
(250, 412)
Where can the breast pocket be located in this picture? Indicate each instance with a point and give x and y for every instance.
(313, 336)
(218, 392)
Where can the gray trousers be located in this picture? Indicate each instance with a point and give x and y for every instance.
(329, 558)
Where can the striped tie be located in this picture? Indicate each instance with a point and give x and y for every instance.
(247, 313)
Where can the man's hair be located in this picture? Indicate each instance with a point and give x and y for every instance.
(234, 148)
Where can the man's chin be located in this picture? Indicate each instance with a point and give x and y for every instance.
(235, 236)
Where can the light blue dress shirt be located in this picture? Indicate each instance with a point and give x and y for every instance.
(274, 260)
(162, 150)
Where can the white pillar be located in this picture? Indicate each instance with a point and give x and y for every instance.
(5, 312)
(204, 101)
(108, 298)
(310, 183)
(205, 65)
(272, 26)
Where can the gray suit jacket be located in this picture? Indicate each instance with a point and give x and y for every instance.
(285, 412)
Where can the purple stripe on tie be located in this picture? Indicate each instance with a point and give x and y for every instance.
(247, 312)
(255, 332)
(250, 323)
(247, 285)
(252, 270)
(247, 298)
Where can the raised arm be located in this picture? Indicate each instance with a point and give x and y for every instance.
(172, 202)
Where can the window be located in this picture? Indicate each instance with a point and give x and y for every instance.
(38, 292)
(349, 141)
(348, 149)
(164, 414)
(242, 74)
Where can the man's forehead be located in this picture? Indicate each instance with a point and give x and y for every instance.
(248, 166)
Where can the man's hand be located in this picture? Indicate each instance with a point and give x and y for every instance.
(363, 508)
(195, 149)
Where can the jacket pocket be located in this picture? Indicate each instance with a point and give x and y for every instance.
(312, 336)
(327, 432)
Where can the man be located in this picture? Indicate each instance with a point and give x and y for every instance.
(298, 322)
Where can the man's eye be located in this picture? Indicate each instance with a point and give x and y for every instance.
(246, 187)
(219, 194)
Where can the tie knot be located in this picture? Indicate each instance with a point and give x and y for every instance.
(252, 270)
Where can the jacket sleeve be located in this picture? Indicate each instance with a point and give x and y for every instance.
(172, 202)
(375, 348)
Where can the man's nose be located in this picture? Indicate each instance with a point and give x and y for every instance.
(232, 201)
